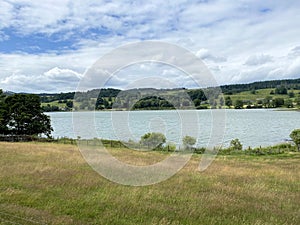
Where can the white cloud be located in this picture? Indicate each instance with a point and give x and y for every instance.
(205, 54)
(261, 59)
(294, 69)
(6, 14)
(54, 80)
(228, 36)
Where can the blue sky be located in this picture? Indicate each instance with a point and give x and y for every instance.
(47, 46)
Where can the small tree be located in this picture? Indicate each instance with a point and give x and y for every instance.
(295, 135)
(288, 103)
(278, 102)
(235, 144)
(281, 90)
(238, 104)
(153, 140)
(188, 141)
(291, 94)
(221, 101)
(297, 100)
(69, 104)
(228, 101)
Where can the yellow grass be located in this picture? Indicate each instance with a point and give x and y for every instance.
(46, 183)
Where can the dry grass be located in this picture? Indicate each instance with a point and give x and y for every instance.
(52, 184)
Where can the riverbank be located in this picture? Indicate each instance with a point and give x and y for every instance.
(282, 148)
(51, 183)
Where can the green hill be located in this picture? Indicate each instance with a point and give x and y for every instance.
(262, 94)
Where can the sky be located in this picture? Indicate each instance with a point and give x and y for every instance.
(47, 46)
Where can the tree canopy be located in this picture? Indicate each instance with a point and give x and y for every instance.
(21, 114)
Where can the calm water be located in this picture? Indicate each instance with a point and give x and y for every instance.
(252, 127)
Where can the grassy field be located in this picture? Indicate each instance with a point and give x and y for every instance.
(260, 94)
(46, 183)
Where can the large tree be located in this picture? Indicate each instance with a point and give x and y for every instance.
(25, 115)
(3, 114)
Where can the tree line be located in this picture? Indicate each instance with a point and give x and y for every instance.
(237, 88)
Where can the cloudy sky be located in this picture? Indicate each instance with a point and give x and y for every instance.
(46, 46)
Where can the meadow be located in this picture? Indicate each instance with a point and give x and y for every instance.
(50, 183)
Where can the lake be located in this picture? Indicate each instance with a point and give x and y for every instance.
(254, 127)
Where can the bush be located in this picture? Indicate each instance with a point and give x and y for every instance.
(295, 135)
(235, 144)
(170, 147)
(199, 150)
(188, 142)
(153, 140)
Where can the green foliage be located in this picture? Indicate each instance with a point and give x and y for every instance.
(291, 94)
(289, 103)
(222, 101)
(197, 102)
(295, 135)
(297, 100)
(228, 101)
(268, 102)
(25, 116)
(197, 94)
(153, 102)
(237, 88)
(188, 141)
(199, 150)
(50, 108)
(278, 102)
(153, 140)
(238, 104)
(270, 150)
(235, 144)
(281, 90)
(170, 147)
(3, 114)
(69, 104)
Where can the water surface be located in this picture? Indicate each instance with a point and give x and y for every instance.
(254, 127)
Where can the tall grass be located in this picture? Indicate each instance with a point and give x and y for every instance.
(48, 183)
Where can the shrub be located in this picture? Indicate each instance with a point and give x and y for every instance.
(235, 144)
(199, 150)
(153, 140)
(170, 147)
(295, 135)
(188, 142)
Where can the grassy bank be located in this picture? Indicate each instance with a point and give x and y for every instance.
(51, 183)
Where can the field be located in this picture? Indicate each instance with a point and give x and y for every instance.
(260, 94)
(46, 183)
